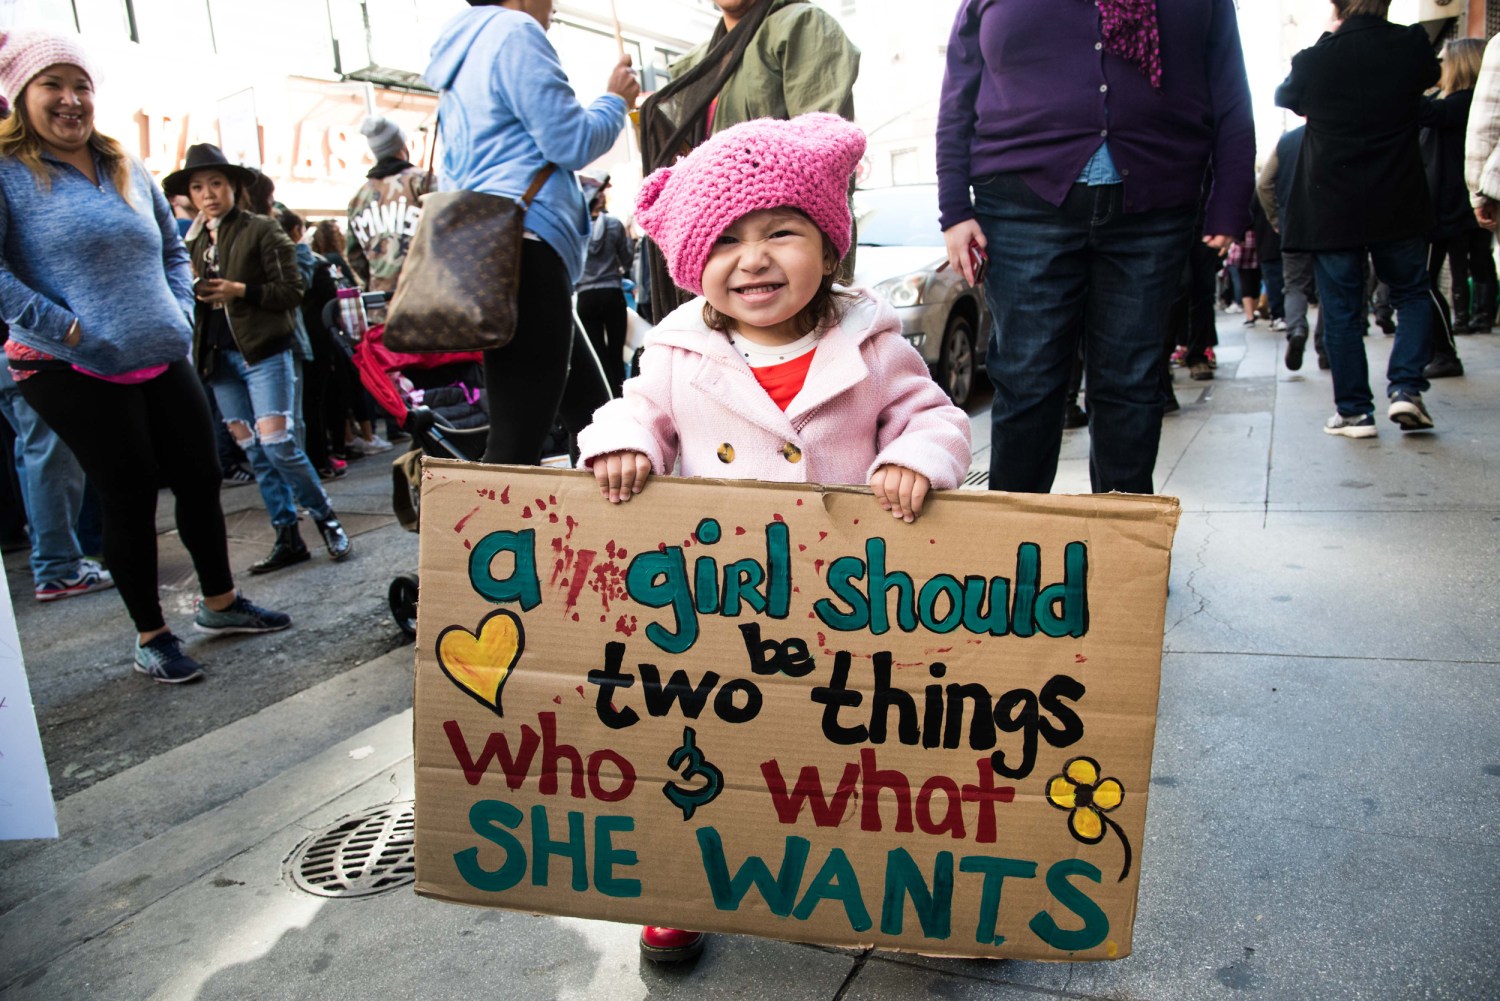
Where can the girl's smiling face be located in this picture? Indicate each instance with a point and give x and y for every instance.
(60, 107)
(763, 270)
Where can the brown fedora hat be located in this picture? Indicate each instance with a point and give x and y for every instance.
(206, 156)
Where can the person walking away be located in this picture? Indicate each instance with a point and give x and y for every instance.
(1273, 190)
(601, 290)
(1359, 189)
(765, 59)
(507, 114)
(96, 288)
(1268, 249)
(317, 371)
(248, 284)
(384, 212)
(1458, 238)
(809, 382)
(1087, 219)
(1245, 260)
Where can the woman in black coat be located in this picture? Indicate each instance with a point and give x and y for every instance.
(1457, 237)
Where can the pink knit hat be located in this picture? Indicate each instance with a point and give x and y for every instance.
(805, 163)
(25, 53)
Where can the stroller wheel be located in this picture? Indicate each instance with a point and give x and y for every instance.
(403, 601)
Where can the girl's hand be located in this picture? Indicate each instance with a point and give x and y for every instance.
(957, 239)
(621, 475)
(900, 491)
(218, 291)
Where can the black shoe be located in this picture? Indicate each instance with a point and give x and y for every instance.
(1386, 324)
(1074, 417)
(288, 551)
(1462, 324)
(1295, 345)
(1481, 324)
(334, 537)
(1323, 362)
(1170, 404)
(1409, 412)
(1443, 367)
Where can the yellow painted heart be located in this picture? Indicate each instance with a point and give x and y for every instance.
(481, 662)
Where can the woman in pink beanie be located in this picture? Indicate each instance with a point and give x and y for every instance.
(773, 373)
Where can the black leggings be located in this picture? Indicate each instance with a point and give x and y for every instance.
(602, 311)
(530, 380)
(130, 440)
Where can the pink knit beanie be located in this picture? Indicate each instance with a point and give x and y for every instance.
(25, 53)
(805, 163)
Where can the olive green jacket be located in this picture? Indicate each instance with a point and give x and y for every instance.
(799, 61)
(255, 250)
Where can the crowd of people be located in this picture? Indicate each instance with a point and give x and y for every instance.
(1097, 187)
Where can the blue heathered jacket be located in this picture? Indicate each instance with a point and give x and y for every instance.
(507, 110)
(81, 251)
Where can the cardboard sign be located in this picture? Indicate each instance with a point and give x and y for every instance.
(776, 710)
(26, 808)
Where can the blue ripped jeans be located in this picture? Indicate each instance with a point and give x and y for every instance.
(245, 394)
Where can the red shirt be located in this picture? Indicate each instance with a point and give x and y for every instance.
(782, 382)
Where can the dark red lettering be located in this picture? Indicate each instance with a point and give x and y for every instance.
(495, 748)
(826, 811)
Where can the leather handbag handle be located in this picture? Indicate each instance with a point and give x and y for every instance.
(541, 178)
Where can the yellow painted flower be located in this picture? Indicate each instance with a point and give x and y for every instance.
(1088, 798)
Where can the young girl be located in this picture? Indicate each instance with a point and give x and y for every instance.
(772, 373)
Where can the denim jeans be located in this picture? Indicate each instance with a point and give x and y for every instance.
(1402, 266)
(1085, 269)
(246, 393)
(1271, 272)
(52, 483)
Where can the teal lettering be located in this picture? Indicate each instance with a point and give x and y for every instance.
(994, 870)
(934, 905)
(836, 881)
(543, 848)
(741, 578)
(778, 570)
(779, 892)
(607, 856)
(1095, 922)
(522, 585)
(1063, 609)
(1028, 578)
(880, 585)
(946, 585)
(842, 573)
(657, 579)
(487, 817)
(706, 584)
(994, 619)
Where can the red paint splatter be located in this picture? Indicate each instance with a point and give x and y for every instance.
(1079, 658)
(526, 511)
(552, 517)
(738, 530)
(801, 548)
(604, 618)
(796, 589)
(552, 499)
(687, 543)
(661, 547)
(468, 544)
(620, 554)
(822, 639)
(579, 690)
(465, 520)
(799, 501)
(580, 573)
(624, 627)
(609, 548)
(932, 542)
(822, 536)
(810, 615)
(557, 699)
(856, 521)
(571, 525)
(505, 495)
(575, 616)
(777, 517)
(818, 565)
(541, 505)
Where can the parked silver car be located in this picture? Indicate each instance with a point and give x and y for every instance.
(900, 250)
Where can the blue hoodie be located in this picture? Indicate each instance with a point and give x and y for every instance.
(507, 110)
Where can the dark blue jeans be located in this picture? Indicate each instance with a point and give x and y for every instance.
(1402, 266)
(1085, 269)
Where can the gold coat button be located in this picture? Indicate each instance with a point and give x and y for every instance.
(791, 453)
(726, 453)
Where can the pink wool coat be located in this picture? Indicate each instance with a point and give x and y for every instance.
(868, 401)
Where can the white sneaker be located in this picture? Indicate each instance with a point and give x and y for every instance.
(373, 445)
(1278, 325)
(1362, 426)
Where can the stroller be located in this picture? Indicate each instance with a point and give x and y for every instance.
(438, 399)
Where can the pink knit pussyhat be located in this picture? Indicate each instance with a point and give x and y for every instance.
(25, 53)
(804, 163)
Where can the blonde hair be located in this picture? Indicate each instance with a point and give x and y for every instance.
(1461, 59)
(18, 139)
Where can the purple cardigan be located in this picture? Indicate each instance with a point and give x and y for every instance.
(1026, 92)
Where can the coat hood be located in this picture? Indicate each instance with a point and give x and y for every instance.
(453, 44)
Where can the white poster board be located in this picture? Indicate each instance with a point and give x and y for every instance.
(26, 808)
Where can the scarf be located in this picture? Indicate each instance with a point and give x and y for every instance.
(1129, 30)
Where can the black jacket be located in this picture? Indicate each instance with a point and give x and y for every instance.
(1447, 121)
(1359, 177)
(252, 249)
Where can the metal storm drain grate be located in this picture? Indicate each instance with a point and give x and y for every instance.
(365, 853)
(978, 479)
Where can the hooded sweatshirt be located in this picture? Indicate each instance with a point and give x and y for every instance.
(507, 110)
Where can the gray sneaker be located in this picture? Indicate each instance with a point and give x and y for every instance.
(163, 660)
(241, 617)
(1407, 410)
(1361, 426)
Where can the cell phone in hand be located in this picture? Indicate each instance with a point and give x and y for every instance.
(977, 262)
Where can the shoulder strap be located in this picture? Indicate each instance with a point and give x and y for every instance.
(541, 178)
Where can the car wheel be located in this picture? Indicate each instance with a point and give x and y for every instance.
(956, 363)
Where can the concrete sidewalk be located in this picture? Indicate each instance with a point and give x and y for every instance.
(1324, 819)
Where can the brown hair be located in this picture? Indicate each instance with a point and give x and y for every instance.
(823, 308)
(1461, 59)
(18, 139)
(327, 237)
(1349, 8)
